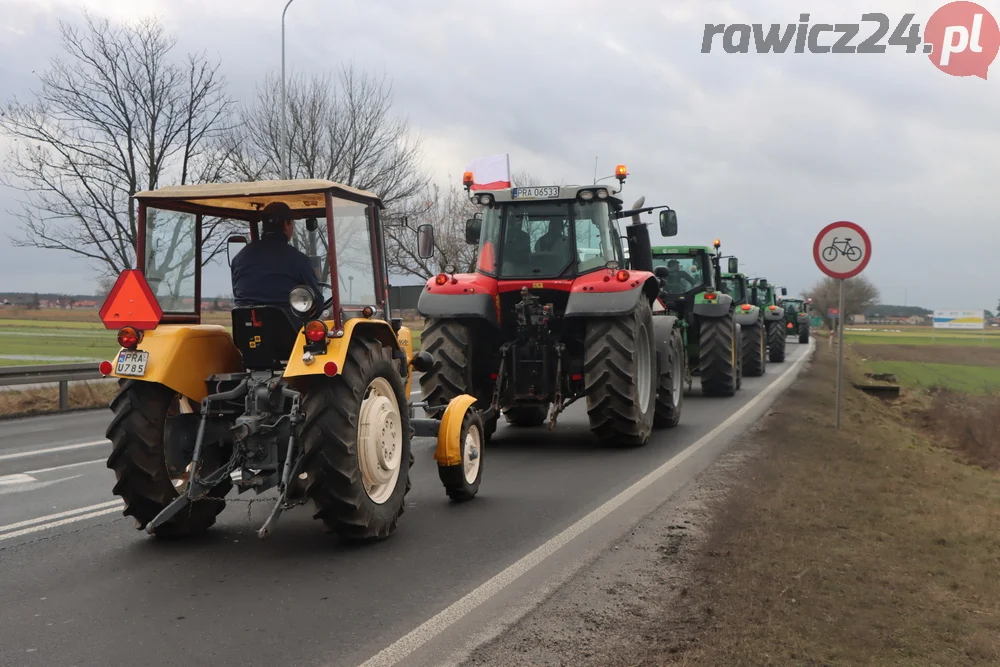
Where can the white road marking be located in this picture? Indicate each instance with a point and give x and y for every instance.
(59, 515)
(53, 450)
(56, 524)
(434, 626)
(63, 467)
(19, 478)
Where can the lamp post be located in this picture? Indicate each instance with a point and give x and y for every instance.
(285, 160)
(350, 288)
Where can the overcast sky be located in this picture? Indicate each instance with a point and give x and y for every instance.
(761, 150)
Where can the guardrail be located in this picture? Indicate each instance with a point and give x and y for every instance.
(50, 373)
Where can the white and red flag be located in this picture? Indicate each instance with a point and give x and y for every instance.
(490, 173)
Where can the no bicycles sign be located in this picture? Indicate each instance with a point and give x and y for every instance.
(842, 250)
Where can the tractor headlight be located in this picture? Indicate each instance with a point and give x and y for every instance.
(302, 300)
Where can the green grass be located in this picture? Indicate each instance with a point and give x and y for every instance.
(922, 338)
(967, 379)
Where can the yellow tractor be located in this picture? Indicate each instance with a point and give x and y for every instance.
(309, 397)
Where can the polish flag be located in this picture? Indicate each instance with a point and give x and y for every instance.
(490, 173)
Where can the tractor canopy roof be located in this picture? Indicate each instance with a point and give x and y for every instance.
(548, 193)
(244, 201)
(683, 250)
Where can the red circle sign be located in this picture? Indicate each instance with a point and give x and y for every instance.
(842, 250)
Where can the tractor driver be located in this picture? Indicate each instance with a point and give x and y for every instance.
(678, 277)
(267, 270)
(552, 240)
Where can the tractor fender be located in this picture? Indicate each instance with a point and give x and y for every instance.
(449, 445)
(748, 318)
(470, 306)
(723, 305)
(663, 327)
(336, 348)
(776, 315)
(611, 303)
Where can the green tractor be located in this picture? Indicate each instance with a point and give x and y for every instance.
(764, 295)
(692, 289)
(753, 334)
(797, 318)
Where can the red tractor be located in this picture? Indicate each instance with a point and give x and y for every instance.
(551, 315)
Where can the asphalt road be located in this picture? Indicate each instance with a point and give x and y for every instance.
(80, 586)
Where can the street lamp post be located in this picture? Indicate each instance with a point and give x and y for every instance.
(286, 158)
(350, 288)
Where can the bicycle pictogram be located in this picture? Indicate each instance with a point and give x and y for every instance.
(845, 248)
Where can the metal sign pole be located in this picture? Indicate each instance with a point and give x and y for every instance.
(840, 351)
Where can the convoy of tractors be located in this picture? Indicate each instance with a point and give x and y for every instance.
(567, 300)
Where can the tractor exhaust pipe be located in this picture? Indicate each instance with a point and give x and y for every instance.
(640, 250)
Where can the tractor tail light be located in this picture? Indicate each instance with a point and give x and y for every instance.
(790, 325)
(711, 296)
(745, 306)
(330, 368)
(441, 279)
(772, 308)
(622, 275)
(106, 368)
(129, 337)
(315, 331)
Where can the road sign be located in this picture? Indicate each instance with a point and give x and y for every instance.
(833, 311)
(842, 250)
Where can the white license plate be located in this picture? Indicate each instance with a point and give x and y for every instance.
(547, 192)
(132, 363)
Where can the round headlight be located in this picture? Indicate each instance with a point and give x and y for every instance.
(602, 194)
(485, 200)
(302, 300)
(587, 195)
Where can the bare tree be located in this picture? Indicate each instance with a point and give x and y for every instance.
(119, 113)
(859, 292)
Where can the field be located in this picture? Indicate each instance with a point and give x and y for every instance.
(921, 336)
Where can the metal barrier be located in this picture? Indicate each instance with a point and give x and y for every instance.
(50, 373)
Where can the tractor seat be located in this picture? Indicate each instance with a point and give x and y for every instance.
(265, 336)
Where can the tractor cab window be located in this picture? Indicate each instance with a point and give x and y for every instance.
(594, 245)
(793, 307)
(687, 272)
(171, 262)
(734, 287)
(489, 241)
(537, 240)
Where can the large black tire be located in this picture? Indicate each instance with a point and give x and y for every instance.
(670, 389)
(452, 345)
(457, 484)
(139, 461)
(776, 341)
(804, 333)
(754, 344)
(526, 416)
(618, 353)
(719, 363)
(329, 436)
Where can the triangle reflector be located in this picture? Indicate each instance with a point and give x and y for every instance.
(131, 303)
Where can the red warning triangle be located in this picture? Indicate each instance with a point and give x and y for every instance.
(131, 303)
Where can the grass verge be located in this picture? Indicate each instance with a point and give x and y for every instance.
(30, 402)
(871, 545)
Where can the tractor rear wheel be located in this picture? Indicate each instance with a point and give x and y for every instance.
(619, 374)
(139, 460)
(754, 351)
(776, 341)
(453, 347)
(670, 391)
(526, 416)
(718, 358)
(356, 438)
(804, 334)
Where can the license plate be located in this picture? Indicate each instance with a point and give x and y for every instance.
(132, 363)
(547, 192)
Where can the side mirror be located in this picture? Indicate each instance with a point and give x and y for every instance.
(312, 224)
(233, 240)
(425, 241)
(734, 265)
(668, 223)
(784, 291)
(473, 229)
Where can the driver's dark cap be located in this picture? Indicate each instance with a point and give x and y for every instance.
(276, 212)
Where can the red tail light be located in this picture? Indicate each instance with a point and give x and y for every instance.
(441, 279)
(106, 368)
(330, 368)
(129, 337)
(711, 296)
(315, 331)
(746, 306)
(621, 275)
(791, 326)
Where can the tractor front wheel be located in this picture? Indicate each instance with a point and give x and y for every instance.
(619, 375)
(139, 460)
(719, 364)
(776, 341)
(670, 391)
(754, 351)
(357, 444)
(461, 482)
(453, 346)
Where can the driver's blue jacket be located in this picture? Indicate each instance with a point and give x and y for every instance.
(268, 269)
